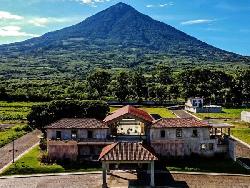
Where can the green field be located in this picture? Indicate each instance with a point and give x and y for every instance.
(241, 130)
(226, 114)
(15, 114)
(30, 164)
(162, 111)
(15, 110)
(7, 135)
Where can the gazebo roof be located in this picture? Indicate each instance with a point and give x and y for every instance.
(131, 110)
(127, 151)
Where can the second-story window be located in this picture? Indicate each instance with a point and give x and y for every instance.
(58, 135)
(178, 133)
(195, 133)
(163, 133)
(90, 134)
(74, 134)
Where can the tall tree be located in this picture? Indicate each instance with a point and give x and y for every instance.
(122, 86)
(99, 80)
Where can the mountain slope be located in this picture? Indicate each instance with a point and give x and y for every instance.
(119, 29)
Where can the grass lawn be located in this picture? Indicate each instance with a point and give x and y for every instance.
(162, 111)
(241, 130)
(199, 164)
(30, 164)
(226, 114)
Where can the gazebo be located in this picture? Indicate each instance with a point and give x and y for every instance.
(127, 153)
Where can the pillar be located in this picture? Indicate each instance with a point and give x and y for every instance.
(152, 174)
(229, 132)
(104, 175)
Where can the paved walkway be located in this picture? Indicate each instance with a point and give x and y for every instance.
(21, 145)
(121, 179)
(182, 114)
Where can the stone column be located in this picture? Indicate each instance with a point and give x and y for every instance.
(104, 175)
(152, 174)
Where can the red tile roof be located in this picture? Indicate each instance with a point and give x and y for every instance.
(178, 122)
(129, 110)
(127, 151)
(78, 123)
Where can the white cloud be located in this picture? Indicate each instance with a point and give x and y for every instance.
(8, 16)
(91, 2)
(160, 5)
(43, 22)
(14, 31)
(198, 21)
(39, 22)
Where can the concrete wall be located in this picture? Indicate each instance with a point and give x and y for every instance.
(245, 116)
(171, 145)
(81, 133)
(204, 109)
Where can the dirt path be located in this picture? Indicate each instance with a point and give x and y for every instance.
(121, 180)
(21, 145)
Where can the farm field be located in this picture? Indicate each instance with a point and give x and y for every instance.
(162, 111)
(13, 123)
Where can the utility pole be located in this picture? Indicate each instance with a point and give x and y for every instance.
(13, 151)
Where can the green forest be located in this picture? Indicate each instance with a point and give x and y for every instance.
(162, 84)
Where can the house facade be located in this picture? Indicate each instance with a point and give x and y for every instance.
(196, 105)
(86, 138)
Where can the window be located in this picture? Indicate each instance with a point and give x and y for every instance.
(58, 135)
(195, 133)
(163, 133)
(178, 133)
(203, 147)
(74, 134)
(90, 134)
(211, 146)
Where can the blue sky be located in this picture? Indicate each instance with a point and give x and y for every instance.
(222, 23)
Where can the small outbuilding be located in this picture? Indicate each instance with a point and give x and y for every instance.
(245, 116)
(196, 105)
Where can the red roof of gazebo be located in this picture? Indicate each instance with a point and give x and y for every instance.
(129, 110)
(127, 151)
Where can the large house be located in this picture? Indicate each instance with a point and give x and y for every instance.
(86, 138)
(132, 136)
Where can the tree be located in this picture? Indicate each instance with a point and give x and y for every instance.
(42, 115)
(122, 86)
(99, 81)
(163, 74)
(138, 85)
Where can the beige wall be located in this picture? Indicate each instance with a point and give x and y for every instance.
(171, 145)
(63, 150)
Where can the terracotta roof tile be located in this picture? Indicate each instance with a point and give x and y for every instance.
(127, 151)
(179, 122)
(129, 110)
(78, 123)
